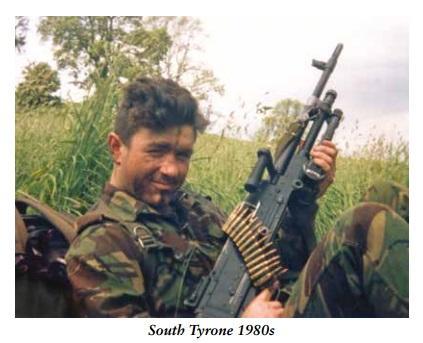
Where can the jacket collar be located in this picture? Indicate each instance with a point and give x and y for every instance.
(125, 206)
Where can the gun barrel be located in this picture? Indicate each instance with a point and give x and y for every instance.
(333, 123)
(327, 68)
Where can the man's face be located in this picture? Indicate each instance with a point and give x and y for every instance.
(154, 164)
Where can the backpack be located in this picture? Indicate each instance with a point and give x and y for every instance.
(42, 238)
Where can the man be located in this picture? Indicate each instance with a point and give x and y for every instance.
(145, 245)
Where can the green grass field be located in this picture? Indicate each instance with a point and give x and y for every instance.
(62, 159)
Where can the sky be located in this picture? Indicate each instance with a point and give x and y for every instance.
(268, 58)
(254, 56)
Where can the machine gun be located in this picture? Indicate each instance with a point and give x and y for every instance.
(249, 261)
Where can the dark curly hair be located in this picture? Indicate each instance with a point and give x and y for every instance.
(156, 104)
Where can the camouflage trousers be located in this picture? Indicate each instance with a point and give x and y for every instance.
(360, 268)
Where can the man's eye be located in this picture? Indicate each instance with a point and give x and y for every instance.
(184, 156)
(156, 152)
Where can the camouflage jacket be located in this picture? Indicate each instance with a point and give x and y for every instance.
(130, 260)
(360, 268)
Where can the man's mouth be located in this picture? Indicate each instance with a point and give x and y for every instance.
(163, 186)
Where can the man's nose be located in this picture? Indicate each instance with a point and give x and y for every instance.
(169, 166)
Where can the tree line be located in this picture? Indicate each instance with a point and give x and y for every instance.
(93, 49)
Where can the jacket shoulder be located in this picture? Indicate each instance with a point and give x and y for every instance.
(101, 236)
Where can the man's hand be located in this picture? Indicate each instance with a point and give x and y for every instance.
(262, 307)
(324, 155)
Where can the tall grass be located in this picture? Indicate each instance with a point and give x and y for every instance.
(61, 156)
(378, 160)
(62, 159)
(221, 166)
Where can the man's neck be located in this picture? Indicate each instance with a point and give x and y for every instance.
(117, 181)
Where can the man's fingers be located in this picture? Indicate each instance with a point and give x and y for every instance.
(275, 304)
(276, 312)
(328, 144)
(279, 313)
(265, 294)
(324, 155)
(323, 162)
(329, 150)
(262, 307)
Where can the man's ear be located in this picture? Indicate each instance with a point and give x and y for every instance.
(116, 147)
